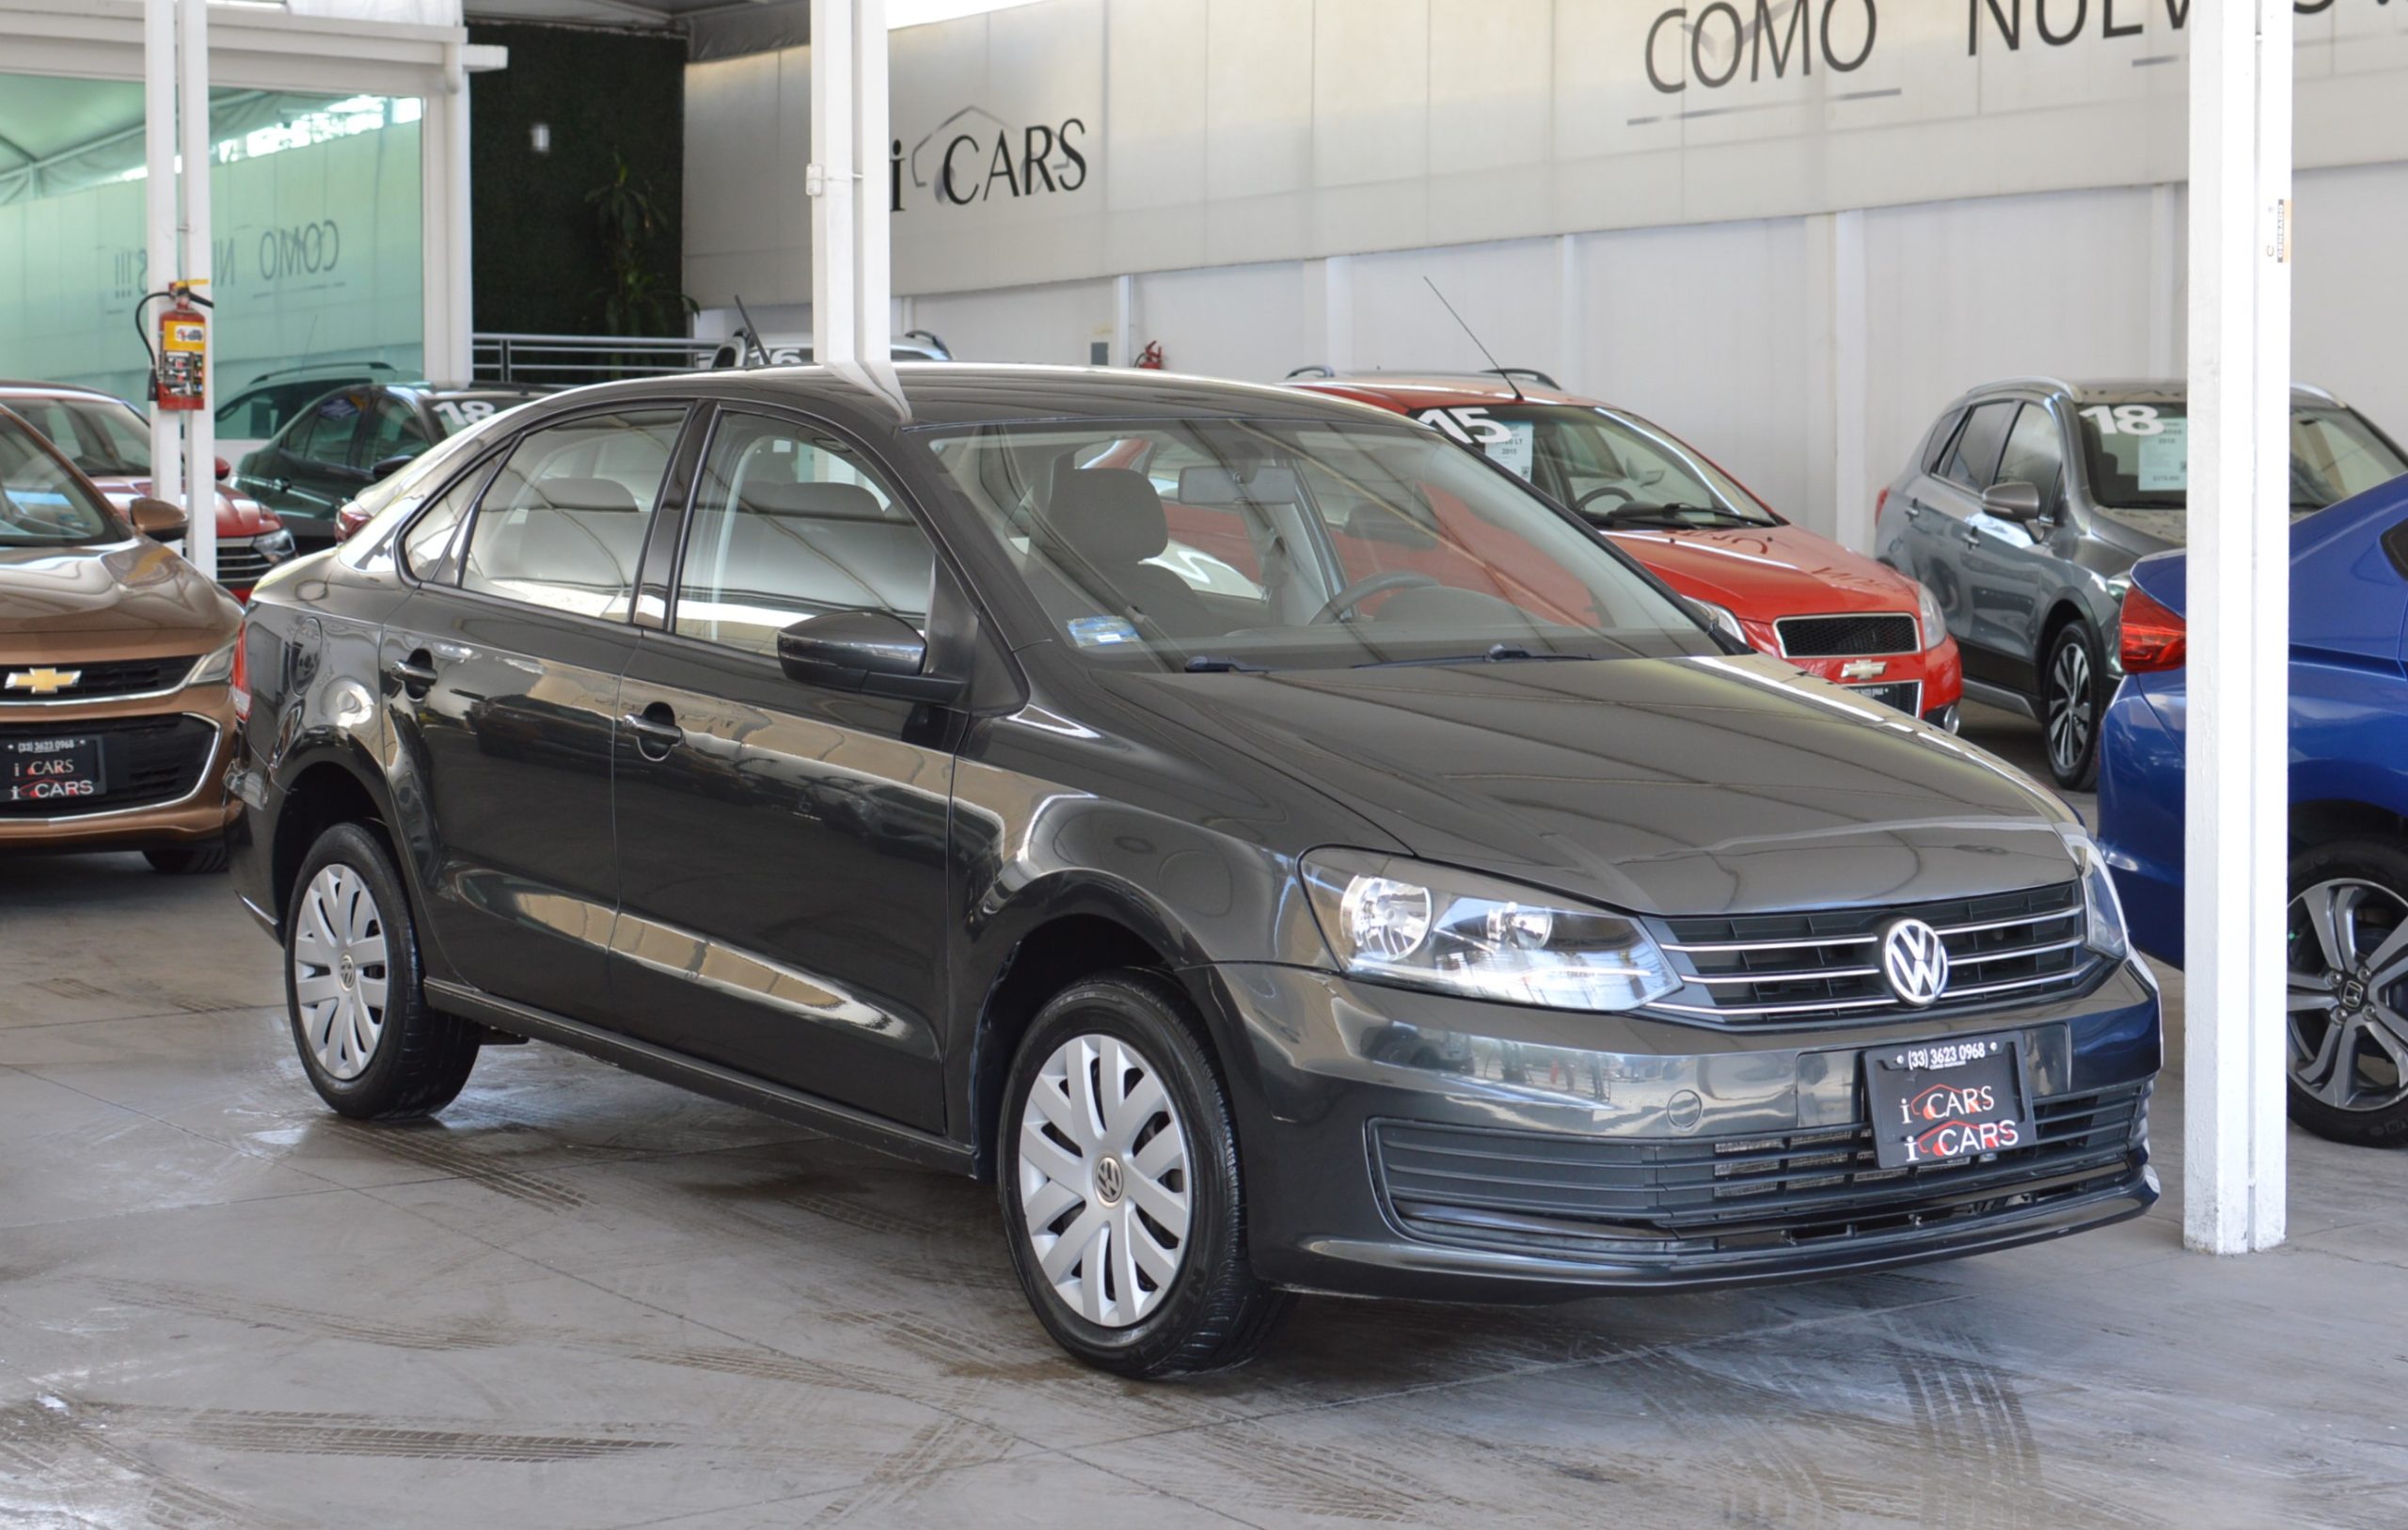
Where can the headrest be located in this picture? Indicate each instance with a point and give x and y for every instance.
(1111, 516)
(816, 501)
(596, 494)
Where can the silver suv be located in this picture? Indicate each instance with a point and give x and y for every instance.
(2029, 498)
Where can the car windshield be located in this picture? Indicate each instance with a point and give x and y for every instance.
(103, 438)
(1614, 468)
(42, 503)
(1263, 544)
(2138, 455)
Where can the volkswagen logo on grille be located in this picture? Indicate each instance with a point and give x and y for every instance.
(1915, 960)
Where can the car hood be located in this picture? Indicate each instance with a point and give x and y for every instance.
(134, 591)
(238, 516)
(1677, 786)
(1763, 572)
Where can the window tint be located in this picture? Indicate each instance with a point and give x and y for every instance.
(395, 431)
(428, 546)
(788, 524)
(1977, 445)
(2335, 455)
(327, 434)
(1942, 437)
(562, 523)
(2033, 453)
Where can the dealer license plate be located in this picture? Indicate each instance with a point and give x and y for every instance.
(63, 770)
(1940, 1101)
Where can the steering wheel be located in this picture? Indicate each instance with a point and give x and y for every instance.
(1582, 503)
(1336, 608)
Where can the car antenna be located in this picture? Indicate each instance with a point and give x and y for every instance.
(752, 335)
(1475, 339)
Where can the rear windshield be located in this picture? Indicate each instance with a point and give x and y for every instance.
(42, 501)
(2138, 455)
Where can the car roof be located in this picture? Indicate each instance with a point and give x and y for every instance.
(10, 389)
(2121, 390)
(463, 391)
(945, 393)
(1441, 390)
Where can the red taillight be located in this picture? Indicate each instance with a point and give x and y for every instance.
(238, 685)
(2152, 636)
(1879, 501)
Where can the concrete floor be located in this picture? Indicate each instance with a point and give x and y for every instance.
(582, 1299)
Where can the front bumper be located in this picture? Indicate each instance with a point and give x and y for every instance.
(1938, 673)
(1402, 1144)
(199, 810)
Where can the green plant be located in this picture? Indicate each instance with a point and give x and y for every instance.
(637, 301)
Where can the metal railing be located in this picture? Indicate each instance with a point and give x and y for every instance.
(567, 360)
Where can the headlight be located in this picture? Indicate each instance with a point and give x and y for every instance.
(276, 546)
(1425, 926)
(1720, 618)
(214, 667)
(1934, 625)
(2102, 911)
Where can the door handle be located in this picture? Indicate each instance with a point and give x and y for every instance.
(655, 730)
(1915, 508)
(415, 674)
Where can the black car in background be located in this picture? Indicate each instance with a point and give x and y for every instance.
(330, 450)
(1407, 896)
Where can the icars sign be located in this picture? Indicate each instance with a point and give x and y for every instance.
(975, 156)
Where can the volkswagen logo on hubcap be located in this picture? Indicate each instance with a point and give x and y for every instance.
(1915, 960)
(1107, 1181)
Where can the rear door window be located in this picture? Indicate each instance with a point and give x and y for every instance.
(2034, 452)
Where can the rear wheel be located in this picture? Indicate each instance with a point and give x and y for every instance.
(2069, 694)
(372, 1047)
(1120, 1188)
(2347, 999)
(205, 859)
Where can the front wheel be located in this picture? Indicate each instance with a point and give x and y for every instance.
(2346, 998)
(2070, 678)
(1120, 1188)
(372, 1047)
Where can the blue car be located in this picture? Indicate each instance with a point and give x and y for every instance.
(2347, 928)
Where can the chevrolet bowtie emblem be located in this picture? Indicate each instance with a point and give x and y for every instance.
(43, 681)
(1852, 670)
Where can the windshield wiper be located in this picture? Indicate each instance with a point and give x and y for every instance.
(1221, 664)
(1668, 514)
(1496, 653)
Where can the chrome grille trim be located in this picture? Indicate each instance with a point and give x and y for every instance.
(1868, 939)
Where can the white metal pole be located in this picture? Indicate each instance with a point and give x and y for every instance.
(873, 270)
(2239, 620)
(451, 345)
(159, 194)
(200, 432)
(835, 281)
(1852, 487)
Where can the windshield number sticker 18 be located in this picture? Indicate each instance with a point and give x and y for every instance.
(2125, 418)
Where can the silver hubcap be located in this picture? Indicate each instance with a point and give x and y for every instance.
(338, 972)
(1103, 1180)
(2349, 953)
(2069, 707)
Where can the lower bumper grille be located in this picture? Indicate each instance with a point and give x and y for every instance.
(148, 760)
(1556, 1195)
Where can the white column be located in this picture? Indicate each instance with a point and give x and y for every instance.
(2240, 620)
(200, 427)
(1851, 476)
(2166, 315)
(1571, 312)
(1338, 313)
(1124, 321)
(159, 194)
(449, 317)
(852, 279)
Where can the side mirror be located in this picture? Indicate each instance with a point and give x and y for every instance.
(877, 653)
(386, 467)
(225, 470)
(156, 519)
(2013, 500)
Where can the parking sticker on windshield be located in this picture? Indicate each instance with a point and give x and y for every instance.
(1100, 631)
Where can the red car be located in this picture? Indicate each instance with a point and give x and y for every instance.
(1778, 587)
(110, 441)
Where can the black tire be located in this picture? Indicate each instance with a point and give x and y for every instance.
(420, 1057)
(2373, 1073)
(204, 860)
(2073, 698)
(1214, 1313)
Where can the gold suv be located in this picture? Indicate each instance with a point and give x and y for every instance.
(116, 661)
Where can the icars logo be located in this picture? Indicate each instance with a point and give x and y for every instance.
(1915, 960)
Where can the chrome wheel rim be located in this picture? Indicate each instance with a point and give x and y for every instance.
(1103, 1180)
(2069, 707)
(338, 972)
(2349, 1031)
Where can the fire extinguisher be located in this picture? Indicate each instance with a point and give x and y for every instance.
(1151, 356)
(179, 362)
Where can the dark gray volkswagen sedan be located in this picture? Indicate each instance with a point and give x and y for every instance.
(1276, 846)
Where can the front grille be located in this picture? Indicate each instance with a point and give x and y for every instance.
(1835, 637)
(1552, 1193)
(1906, 695)
(148, 760)
(104, 678)
(1801, 969)
(242, 564)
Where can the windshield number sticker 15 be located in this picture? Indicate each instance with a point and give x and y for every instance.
(1471, 426)
(2125, 419)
